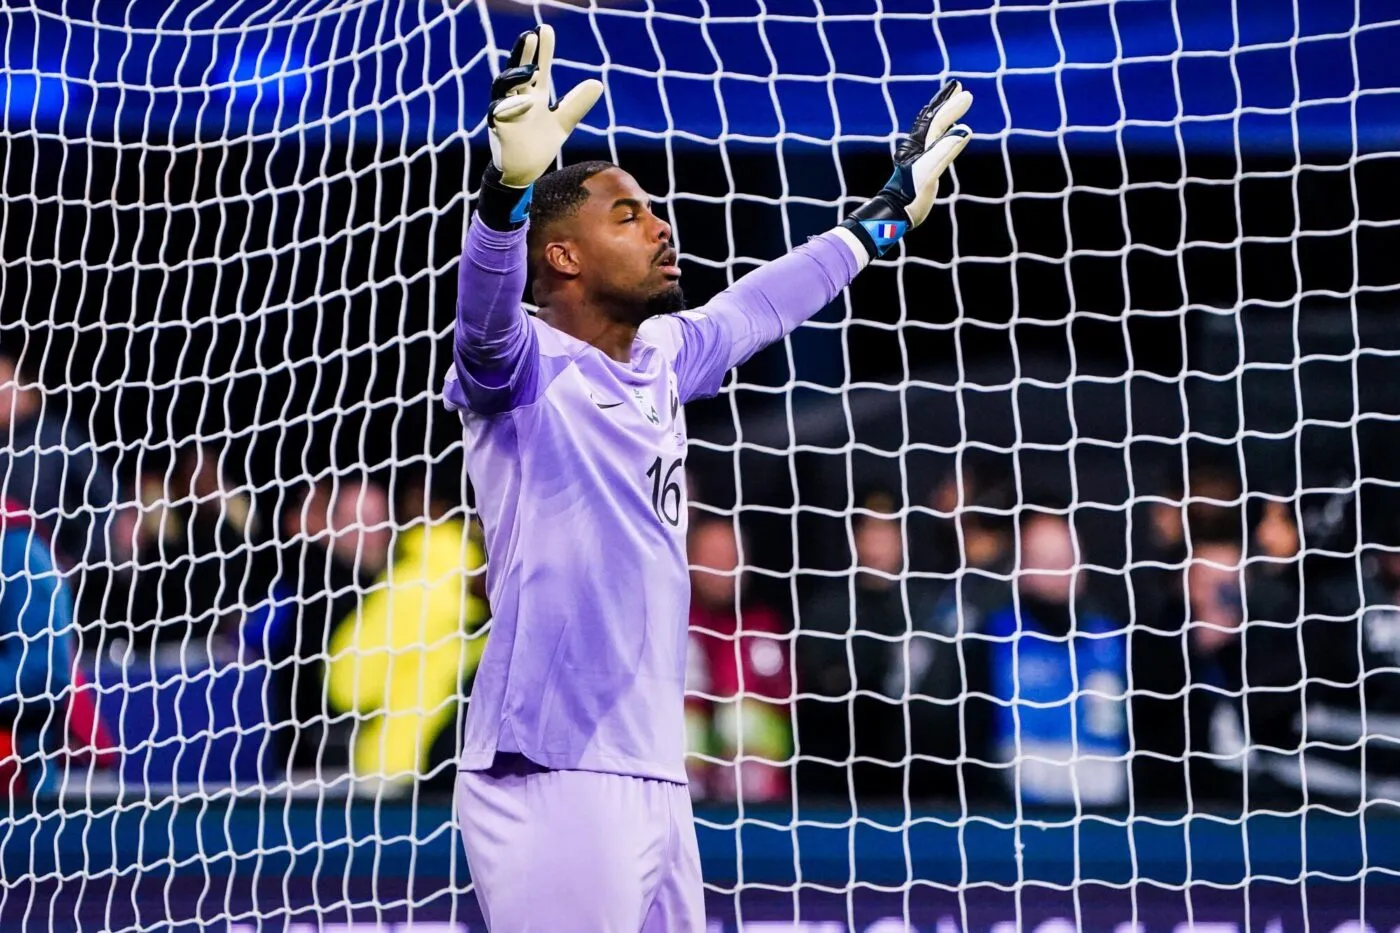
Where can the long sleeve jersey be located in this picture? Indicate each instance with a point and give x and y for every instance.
(578, 465)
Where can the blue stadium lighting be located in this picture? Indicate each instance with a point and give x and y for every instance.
(268, 74)
(32, 79)
(32, 96)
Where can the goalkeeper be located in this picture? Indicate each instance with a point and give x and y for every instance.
(572, 793)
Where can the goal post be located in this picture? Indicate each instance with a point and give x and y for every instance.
(1046, 580)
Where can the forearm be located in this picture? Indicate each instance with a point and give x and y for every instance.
(769, 303)
(490, 333)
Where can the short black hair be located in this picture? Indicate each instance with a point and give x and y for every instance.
(558, 194)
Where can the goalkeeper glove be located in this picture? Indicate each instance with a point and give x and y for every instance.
(920, 159)
(526, 132)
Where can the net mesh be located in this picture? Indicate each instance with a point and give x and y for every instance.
(1067, 530)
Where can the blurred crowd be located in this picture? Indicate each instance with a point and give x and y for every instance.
(969, 651)
(349, 614)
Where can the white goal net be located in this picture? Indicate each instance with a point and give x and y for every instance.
(1046, 580)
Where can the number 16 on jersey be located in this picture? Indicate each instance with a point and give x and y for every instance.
(666, 495)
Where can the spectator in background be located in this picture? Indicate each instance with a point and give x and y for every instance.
(197, 575)
(1207, 507)
(1310, 673)
(51, 468)
(984, 529)
(36, 651)
(1204, 511)
(1058, 676)
(336, 538)
(360, 531)
(1383, 570)
(947, 664)
(1215, 606)
(399, 664)
(852, 634)
(738, 683)
(972, 506)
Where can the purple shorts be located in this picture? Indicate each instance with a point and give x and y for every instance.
(565, 851)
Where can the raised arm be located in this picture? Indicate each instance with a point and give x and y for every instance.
(758, 310)
(770, 302)
(494, 348)
(493, 345)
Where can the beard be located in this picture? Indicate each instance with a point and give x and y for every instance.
(668, 300)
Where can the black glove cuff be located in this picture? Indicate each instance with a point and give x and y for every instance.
(878, 224)
(499, 206)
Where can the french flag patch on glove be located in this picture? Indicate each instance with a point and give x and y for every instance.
(884, 232)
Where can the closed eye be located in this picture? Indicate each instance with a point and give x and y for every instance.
(631, 207)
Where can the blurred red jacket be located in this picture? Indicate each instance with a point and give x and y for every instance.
(738, 685)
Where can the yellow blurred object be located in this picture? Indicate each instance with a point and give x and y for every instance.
(400, 661)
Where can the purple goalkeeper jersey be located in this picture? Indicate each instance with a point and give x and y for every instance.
(578, 465)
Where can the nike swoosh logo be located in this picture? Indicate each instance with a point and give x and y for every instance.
(601, 405)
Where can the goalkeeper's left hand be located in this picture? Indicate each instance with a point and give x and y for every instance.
(920, 160)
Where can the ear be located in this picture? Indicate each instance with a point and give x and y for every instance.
(561, 256)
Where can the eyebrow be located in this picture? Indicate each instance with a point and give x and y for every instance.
(629, 202)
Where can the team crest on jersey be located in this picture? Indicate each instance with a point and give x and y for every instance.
(647, 407)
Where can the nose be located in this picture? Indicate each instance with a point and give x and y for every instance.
(663, 229)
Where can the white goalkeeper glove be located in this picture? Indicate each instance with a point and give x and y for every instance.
(526, 132)
(920, 160)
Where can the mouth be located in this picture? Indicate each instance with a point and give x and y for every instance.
(667, 264)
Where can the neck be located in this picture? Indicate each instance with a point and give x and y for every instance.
(593, 325)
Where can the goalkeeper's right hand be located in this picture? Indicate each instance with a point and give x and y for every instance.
(526, 132)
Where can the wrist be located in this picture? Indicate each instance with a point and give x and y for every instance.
(501, 206)
(854, 245)
(878, 224)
